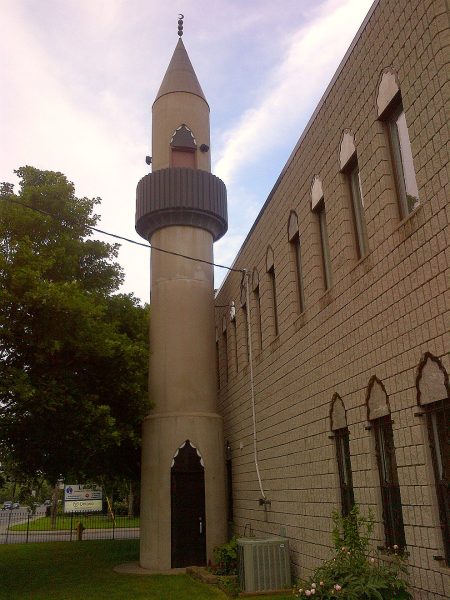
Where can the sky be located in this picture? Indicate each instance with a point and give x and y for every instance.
(79, 78)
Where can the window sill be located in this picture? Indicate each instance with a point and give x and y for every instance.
(409, 224)
(361, 267)
(364, 259)
(410, 215)
(441, 564)
(326, 298)
(300, 320)
(390, 555)
(275, 343)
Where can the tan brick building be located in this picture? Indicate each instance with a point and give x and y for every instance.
(349, 309)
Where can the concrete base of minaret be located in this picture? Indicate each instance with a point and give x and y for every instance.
(162, 435)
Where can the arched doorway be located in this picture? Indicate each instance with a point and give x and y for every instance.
(188, 507)
(183, 147)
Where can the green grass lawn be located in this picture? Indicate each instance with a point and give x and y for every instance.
(83, 571)
(65, 522)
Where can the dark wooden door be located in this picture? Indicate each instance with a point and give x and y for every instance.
(188, 509)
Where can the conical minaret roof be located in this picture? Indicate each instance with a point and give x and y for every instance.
(180, 75)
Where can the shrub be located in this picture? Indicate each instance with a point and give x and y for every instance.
(225, 557)
(120, 508)
(356, 573)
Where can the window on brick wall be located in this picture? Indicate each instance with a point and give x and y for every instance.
(390, 490)
(390, 110)
(257, 302)
(229, 470)
(225, 349)
(235, 339)
(434, 399)
(294, 241)
(438, 422)
(318, 207)
(341, 435)
(379, 416)
(349, 166)
(217, 361)
(408, 193)
(270, 267)
(354, 180)
(326, 262)
(342, 439)
(245, 319)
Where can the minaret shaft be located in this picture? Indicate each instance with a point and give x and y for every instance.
(181, 208)
(182, 322)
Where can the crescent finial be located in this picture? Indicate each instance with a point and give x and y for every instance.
(180, 24)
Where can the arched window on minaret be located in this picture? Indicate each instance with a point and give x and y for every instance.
(183, 148)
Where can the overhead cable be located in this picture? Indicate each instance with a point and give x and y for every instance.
(125, 239)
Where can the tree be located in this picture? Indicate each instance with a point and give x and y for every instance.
(73, 352)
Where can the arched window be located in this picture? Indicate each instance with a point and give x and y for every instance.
(217, 361)
(433, 396)
(183, 148)
(225, 347)
(318, 207)
(270, 269)
(294, 241)
(379, 416)
(234, 335)
(245, 316)
(257, 299)
(348, 162)
(390, 111)
(338, 423)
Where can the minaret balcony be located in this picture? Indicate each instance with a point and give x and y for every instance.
(181, 196)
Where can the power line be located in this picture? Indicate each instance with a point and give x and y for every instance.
(125, 239)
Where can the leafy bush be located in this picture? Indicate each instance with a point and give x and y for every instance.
(225, 557)
(356, 573)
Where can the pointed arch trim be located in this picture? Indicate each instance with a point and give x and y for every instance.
(377, 400)
(193, 447)
(432, 380)
(338, 413)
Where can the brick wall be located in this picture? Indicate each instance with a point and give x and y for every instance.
(382, 313)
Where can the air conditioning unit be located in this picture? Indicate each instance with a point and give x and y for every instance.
(263, 564)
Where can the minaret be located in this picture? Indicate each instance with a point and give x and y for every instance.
(181, 208)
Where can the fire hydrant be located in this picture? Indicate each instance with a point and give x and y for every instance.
(80, 528)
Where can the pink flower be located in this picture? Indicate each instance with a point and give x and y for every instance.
(372, 560)
(395, 547)
(313, 591)
(307, 593)
(337, 587)
(313, 585)
(321, 583)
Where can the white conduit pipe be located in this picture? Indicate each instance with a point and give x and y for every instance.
(264, 499)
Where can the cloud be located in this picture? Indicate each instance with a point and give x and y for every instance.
(80, 75)
(292, 88)
(47, 121)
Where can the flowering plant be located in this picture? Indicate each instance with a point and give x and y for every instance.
(356, 573)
